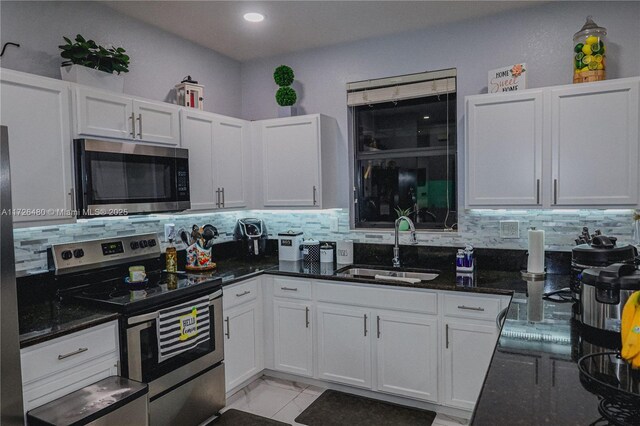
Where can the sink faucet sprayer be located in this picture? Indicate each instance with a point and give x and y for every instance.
(396, 248)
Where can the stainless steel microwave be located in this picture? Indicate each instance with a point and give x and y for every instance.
(119, 178)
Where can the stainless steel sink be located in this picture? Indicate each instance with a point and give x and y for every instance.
(387, 274)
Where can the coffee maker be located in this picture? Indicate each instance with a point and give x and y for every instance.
(251, 235)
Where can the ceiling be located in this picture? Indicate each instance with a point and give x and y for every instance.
(298, 25)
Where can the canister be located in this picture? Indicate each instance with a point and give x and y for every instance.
(344, 252)
(311, 250)
(326, 253)
(289, 244)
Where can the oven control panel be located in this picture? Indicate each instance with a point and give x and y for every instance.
(71, 257)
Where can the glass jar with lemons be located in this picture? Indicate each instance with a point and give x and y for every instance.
(589, 50)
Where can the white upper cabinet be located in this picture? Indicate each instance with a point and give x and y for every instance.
(111, 115)
(36, 112)
(564, 146)
(219, 159)
(298, 161)
(197, 137)
(231, 161)
(106, 114)
(157, 122)
(504, 149)
(594, 135)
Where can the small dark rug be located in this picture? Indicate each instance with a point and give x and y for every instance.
(335, 408)
(240, 418)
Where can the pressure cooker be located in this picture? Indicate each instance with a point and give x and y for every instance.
(604, 294)
(596, 252)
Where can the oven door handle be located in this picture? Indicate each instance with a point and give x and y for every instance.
(153, 315)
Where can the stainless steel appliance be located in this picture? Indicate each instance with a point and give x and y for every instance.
(252, 236)
(116, 178)
(11, 408)
(604, 294)
(595, 252)
(185, 389)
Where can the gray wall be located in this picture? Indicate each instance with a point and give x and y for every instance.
(159, 59)
(540, 36)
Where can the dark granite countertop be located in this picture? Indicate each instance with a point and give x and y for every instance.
(47, 320)
(534, 378)
(482, 281)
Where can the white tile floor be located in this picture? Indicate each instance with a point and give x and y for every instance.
(283, 401)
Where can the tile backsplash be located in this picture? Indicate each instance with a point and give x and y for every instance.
(481, 228)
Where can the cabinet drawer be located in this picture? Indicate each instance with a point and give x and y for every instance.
(375, 297)
(478, 307)
(292, 288)
(241, 293)
(66, 352)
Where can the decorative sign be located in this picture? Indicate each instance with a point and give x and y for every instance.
(508, 79)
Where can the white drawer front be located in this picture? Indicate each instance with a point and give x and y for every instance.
(63, 383)
(401, 298)
(477, 307)
(291, 288)
(66, 352)
(240, 293)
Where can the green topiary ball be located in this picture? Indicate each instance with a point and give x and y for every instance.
(283, 76)
(286, 96)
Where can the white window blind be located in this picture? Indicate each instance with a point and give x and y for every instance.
(402, 87)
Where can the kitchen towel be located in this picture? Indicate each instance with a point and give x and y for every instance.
(535, 262)
(182, 327)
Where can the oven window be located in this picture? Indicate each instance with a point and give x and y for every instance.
(126, 178)
(152, 370)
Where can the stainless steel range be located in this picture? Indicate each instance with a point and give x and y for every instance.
(187, 388)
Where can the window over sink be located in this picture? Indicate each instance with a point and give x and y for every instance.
(404, 146)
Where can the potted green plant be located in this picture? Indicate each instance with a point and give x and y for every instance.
(286, 96)
(85, 62)
(404, 226)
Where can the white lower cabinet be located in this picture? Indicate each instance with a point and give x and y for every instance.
(344, 345)
(243, 348)
(468, 348)
(407, 354)
(63, 365)
(293, 337)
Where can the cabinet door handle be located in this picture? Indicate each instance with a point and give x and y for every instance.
(244, 293)
(79, 351)
(133, 125)
(365, 325)
(315, 202)
(555, 191)
(140, 126)
(218, 197)
(471, 308)
(378, 325)
(306, 316)
(228, 333)
(538, 191)
(73, 202)
(288, 288)
(222, 197)
(446, 333)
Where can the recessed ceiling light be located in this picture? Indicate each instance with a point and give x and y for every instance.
(426, 117)
(254, 17)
